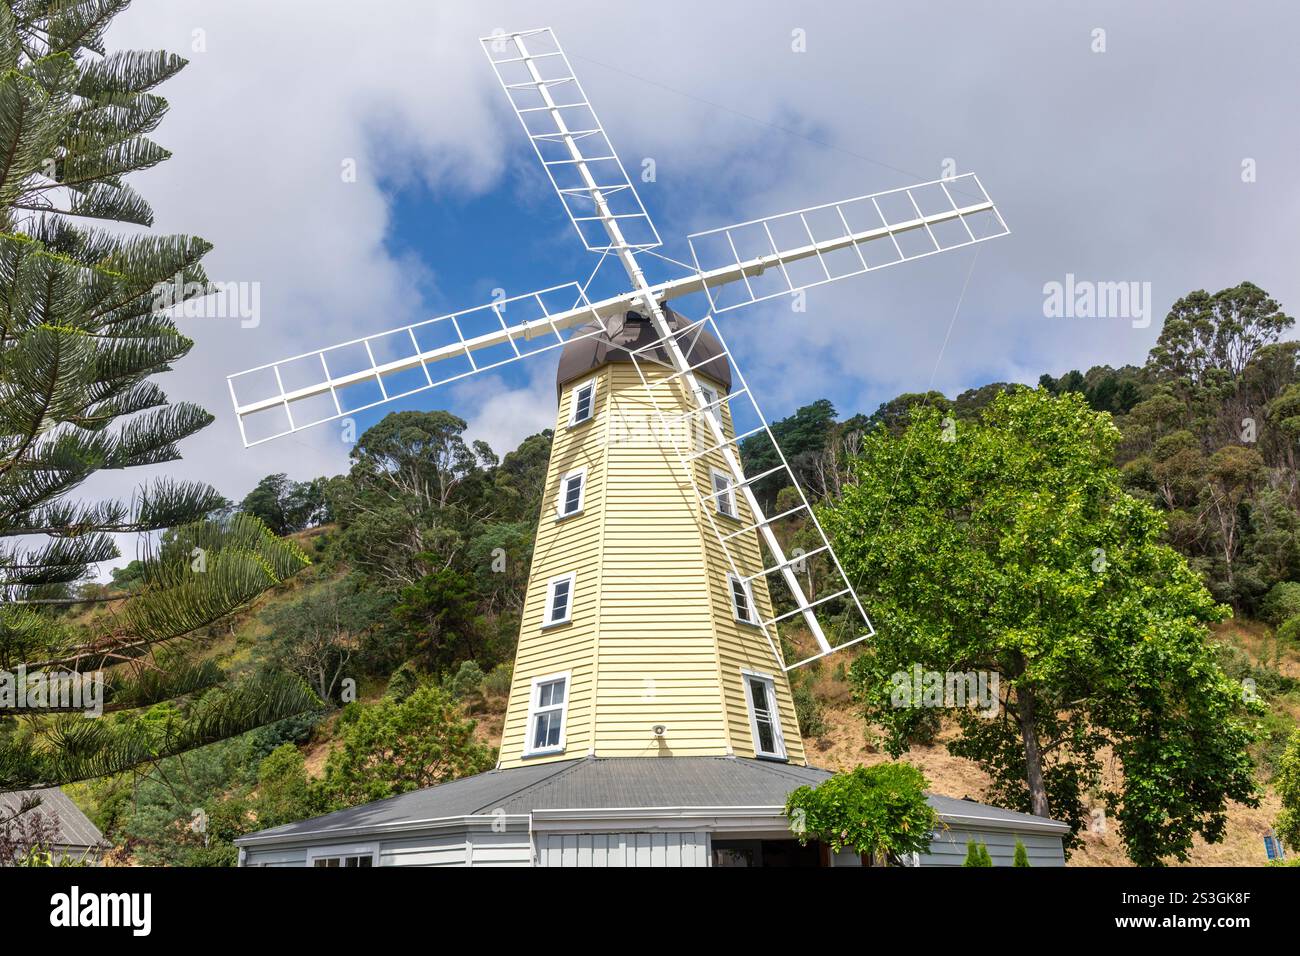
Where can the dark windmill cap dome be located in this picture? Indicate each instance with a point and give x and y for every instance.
(581, 355)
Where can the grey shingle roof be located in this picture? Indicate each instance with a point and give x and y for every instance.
(75, 828)
(594, 783)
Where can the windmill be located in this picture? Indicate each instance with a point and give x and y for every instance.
(681, 366)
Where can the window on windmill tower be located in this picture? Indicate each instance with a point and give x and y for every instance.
(584, 403)
(764, 720)
(573, 486)
(710, 397)
(546, 709)
(742, 600)
(723, 494)
(559, 599)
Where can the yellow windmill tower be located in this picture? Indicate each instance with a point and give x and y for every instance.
(649, 629)
(639, 638)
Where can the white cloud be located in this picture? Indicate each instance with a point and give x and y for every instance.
(1123, 165)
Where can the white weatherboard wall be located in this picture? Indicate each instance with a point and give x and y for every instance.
(480, 841)
(654, 849)
(477, 844)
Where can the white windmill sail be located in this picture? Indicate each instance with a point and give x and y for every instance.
(734, 265)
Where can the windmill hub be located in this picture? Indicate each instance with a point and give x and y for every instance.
(593, 347)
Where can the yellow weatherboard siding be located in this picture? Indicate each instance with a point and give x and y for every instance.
(652, 637)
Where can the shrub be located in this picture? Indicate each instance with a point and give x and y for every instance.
(1289, 631)
(403, 682)
(396, 746)
(880, 810)
(292, 730)
(283, 792)
(497, 682)
(467, 681)
(1281, 603)
(1287, 825)
(1022, 855)
(977, 854)
(809, 710)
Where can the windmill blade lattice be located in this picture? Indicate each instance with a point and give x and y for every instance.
(779, 255)
(699, 441)
(735, 265)
(569, 139)
(291, 394)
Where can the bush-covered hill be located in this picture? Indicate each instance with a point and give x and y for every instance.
(405, 624)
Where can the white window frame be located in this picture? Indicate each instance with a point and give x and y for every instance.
(732, 580)
(774, 711)
(341, 850)
(573, 404)
(534, 710)
(711, 395)
(580, 473)
(729, 494)
(548, 620)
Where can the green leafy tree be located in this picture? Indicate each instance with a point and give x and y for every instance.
(287, 506)
(283, 790)
(1014, 550)
(395, 746)
(1207, 340)
(441, 611)
(411, 498)
(801, 438)
(318, 636)
(176, 813)
(879, 811)
(1287, 783)
(1282, 603)
(83, 327)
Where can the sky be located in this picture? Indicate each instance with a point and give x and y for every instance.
(1150, 142)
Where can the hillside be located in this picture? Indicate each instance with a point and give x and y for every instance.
(1185, 468)
(845, 740)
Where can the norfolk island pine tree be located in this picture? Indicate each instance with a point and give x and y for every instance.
(81, 336)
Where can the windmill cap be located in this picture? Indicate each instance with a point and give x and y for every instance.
(580, 356)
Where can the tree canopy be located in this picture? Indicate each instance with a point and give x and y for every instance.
(1012, 548)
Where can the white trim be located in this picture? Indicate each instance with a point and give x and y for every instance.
(729, 493)
(611, 818)
(534, 709)
(549, 609)
(711, 395)
(573, 402)
(773, 708)
(732, 580)
(381, 831)
(580, 473)
(341, 850)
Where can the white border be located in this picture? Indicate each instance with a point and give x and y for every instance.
(732, 578)
(343, 849)
(714, 474)
(560, 514)
(573, 401)
(775, 710)
(547, 620)
(534, 687)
